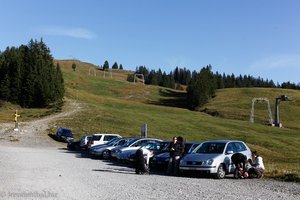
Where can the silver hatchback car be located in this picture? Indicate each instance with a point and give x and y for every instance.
(214, 157)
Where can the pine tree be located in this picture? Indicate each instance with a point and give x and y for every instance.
(121, 67)
(74, 67)
(201, 88)
(106, 65)
(115, 66)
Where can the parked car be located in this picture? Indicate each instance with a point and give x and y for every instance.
(64, 135)
(155, 146)
(214, 157)
(161, 160)
(104, 150)
(74, 145)
(132, 143)
(101, 138)
(84, 141)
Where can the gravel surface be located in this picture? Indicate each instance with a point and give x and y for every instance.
(56, 173)
(36, 167)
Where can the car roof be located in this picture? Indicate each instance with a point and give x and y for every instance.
(223, 141)
(106, 134)
(63, 128)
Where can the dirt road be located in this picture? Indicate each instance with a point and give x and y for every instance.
(35, 169)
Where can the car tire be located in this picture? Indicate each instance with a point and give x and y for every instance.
(106, 154)
(220, 172)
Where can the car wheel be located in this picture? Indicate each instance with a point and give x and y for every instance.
(220, 172)
(106, 154)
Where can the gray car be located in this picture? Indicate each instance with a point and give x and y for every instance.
(105, 149)
(214, 157)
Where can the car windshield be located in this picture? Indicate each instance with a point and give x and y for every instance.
(67, 132)
(113, 141)
(187, 147)
(130, 141)
(165, 146)
(211, 147)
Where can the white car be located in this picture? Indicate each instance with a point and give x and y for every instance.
(101, 138)
(214, 157)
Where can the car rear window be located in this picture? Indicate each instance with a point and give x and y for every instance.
(96, 137)
(211, 147)
(109, 137)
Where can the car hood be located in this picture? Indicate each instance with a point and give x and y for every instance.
(129, 150)
(200, 157)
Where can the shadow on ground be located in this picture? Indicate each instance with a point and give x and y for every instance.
(171, 98)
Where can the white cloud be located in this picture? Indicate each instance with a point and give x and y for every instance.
(69, 32)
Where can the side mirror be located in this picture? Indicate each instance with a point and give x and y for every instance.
(229, 152)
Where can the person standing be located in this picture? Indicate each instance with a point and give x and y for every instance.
(176, 150)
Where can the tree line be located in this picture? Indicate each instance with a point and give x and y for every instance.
(105, 66)
(28, 76)
(201, 85)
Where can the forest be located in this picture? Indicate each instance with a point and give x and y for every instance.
(201, 85)
(28, 76)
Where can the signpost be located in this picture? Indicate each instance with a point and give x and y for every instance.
(16, 121)
(144, 130)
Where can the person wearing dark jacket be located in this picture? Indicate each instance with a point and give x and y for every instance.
(239, 161)
(176, 150)
(141, 166)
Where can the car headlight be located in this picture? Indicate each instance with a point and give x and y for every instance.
(209, 161)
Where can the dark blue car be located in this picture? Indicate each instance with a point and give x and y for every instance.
(64, 135)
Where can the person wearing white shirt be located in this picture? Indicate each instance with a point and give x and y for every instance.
(258, 165)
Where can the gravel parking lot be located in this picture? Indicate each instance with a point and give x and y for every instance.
(56, 173)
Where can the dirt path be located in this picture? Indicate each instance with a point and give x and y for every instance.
(34, 133)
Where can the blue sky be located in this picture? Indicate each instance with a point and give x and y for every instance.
(257, 37)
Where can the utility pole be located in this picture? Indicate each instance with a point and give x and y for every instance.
(278, 99)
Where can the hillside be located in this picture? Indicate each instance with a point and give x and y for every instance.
(111, 104)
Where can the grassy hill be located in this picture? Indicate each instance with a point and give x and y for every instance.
(113, 105)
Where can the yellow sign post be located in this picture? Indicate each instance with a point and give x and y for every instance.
(16, 121)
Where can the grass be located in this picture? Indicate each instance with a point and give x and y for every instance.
(113, 105)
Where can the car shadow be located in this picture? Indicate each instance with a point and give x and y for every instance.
(53, 136)
(119, 171)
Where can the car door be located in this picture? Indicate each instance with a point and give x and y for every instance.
(229, 165)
